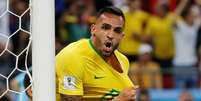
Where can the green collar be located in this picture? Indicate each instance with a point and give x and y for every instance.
(91, 44)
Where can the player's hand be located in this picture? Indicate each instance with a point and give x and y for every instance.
(128, 94)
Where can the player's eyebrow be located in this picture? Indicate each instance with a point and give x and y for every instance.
(106, 26)
(118, 29)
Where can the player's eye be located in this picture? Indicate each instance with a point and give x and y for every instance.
(106, 26)
(118, 30)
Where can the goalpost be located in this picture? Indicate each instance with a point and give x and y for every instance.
(43, 46)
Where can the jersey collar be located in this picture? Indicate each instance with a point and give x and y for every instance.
(91, 44)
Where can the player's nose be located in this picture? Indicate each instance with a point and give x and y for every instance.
(110, 34)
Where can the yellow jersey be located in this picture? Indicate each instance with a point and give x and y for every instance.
(161, 30)
(147, 75)
(134, 25)
(80, 70)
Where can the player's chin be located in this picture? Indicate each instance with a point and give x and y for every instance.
(107, 53)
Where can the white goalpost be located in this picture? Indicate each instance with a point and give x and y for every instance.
(43, 46)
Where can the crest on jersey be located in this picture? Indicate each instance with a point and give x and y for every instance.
(69, 82)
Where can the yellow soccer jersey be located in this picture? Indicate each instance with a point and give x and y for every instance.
(80, 70)
(134, 25)
(162, 32)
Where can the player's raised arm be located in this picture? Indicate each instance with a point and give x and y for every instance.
(181, 6)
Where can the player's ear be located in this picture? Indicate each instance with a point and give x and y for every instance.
(92, 29)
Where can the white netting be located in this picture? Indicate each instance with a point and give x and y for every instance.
(15, 44)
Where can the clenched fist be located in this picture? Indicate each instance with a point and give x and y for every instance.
(128, 94)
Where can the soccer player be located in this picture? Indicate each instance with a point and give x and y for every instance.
(93, 69)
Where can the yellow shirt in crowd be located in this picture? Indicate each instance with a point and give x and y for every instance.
(147, 75)
(134, 25)
(161, 30)
(80, 70)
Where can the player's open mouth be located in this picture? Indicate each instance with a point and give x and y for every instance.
(108, 46)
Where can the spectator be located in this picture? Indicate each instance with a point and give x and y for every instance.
(185, 96)
(145, 72)
(144, 95)
(197, 7)
(199, 53)
(134, 27)
(199, 66)
(120, 4)
(160, 30)
(71, 24)
(198, 43)
(185, 58)
(20, 83)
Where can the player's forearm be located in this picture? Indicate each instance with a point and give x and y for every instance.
(71, 98)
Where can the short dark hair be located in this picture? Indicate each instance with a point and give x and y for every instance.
(112, 10)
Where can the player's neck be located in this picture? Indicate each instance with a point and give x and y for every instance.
(113, 61)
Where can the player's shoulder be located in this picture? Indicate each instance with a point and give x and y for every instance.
(71, 56)
(72, 53)
(73, 49)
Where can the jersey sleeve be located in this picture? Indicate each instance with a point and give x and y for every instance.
(69, 74)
